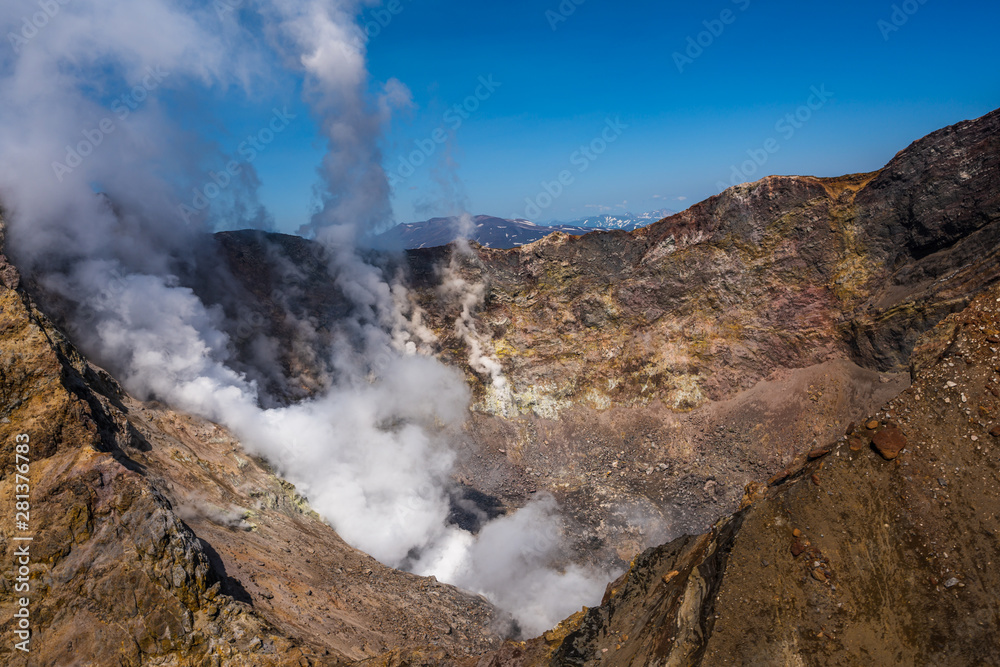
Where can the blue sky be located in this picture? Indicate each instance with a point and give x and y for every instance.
(681, 125)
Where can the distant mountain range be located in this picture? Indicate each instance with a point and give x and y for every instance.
(626, 221)
(492, 232)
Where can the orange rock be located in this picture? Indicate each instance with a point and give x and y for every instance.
(872, 425)
(856, 444)
(889, 442)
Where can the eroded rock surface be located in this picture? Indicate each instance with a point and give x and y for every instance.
(889, 562)
(649, 376)
(157, 540)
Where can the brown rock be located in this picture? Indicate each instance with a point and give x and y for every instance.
(872, 425)
(798, 548)
(815, 479)
(889, 442)
(819, 452)
(819, 575)
(779, 477)
(797, 533)
(995, 432)
(856, 444)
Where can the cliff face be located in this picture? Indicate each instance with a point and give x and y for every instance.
(786, 272)
(783, 273)
(863, 553)
(157, 540)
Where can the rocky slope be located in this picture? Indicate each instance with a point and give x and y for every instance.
(649, 376)
(846, 556)
(158, 541)
(879, 547)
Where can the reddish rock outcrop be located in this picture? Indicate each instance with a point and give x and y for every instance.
(889, 442)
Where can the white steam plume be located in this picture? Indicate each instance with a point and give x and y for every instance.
(321, 38)
(371, 452)
(470, 297)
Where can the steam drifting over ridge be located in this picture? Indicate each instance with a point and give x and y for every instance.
(372, 451)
